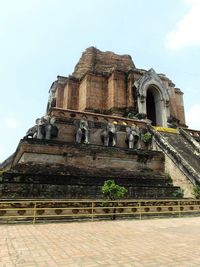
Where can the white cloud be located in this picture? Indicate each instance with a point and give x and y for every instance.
(186, 32)
(11, 123)
(193, 117)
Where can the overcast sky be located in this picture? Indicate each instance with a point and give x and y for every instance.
(40, 39)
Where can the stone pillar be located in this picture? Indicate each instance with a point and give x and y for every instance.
(180, 106)
(117, 95)
(82, 94)
(66, 99)
(59, 95)
(129, 96)
(110, 100)
(71, 94)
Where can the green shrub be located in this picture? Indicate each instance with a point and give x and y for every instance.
(196, 192)
(131, 115)
(179, 193)
(113, 191)
(146, 137)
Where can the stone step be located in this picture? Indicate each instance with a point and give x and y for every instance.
(131, 179)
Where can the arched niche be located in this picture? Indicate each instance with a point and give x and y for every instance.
(152, 98)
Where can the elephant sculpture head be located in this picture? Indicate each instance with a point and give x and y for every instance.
(82, 134)
(50, 128)
(132, 136)
(45, 128)
(108, 136)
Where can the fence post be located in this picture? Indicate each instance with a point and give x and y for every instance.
(92, 211)
(179, 209)
(34, 212)
(140, 210)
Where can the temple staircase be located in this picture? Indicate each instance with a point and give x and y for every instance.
(184, 151)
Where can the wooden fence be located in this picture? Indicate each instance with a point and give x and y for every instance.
(48, 210)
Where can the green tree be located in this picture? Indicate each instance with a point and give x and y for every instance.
(113, 191)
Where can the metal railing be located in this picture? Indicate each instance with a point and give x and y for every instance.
(34, 211)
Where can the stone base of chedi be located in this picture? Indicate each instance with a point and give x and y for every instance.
(98, 126)
(85, 153)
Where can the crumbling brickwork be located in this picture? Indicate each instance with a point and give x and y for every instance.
(105, 82)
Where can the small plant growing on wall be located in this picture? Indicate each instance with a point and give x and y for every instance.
(196, 192)
(112, 191)
(131, 115)
(170, 181)
(179, 193)
(146, 138)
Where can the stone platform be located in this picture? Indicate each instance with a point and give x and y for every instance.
(50, 169)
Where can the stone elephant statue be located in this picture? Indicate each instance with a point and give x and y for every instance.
(82, 133)
(45, 128)
(49, 128)
(132, 136)
(32, 132)
(108, 136)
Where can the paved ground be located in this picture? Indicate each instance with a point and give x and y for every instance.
(155, 243)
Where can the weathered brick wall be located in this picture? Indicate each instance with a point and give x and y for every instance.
(110, 100)
(119, 81)
(83, 94)
(104, 81)
(96, 92)
(59, 96)
(71, 95)
(94, 60)
(90, 157)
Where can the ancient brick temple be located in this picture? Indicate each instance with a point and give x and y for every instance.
(107, 83)
(108, 120)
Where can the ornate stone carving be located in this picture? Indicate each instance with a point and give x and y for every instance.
(150, 78)
(161, 96)
(109, 135)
